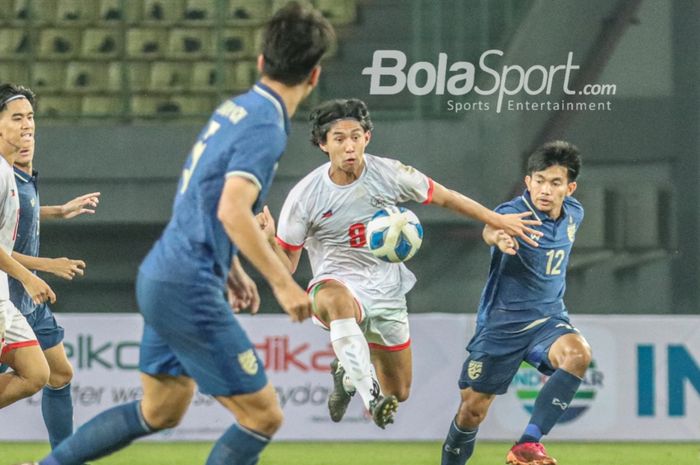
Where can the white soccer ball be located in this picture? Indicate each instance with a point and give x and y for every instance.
(394, 234)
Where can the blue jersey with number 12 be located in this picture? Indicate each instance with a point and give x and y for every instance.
(531, 284)
(244, 137)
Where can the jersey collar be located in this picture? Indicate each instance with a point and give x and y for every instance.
(276, 100)
(24, 177)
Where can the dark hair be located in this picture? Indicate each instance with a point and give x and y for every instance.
(7, 91)
(294, 40)
(553, 153)
(323, 116)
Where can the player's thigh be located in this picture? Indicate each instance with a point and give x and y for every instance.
(28, 363)
(333, 300)
(394, 370)
(473, 408)
(165, 399)
(258, 411)
(61, 371)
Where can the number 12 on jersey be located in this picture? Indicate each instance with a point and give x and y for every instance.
(554, 259)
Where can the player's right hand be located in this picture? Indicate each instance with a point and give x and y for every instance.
(38, 290)
(266, 222)
(294, 300)
(66, 268)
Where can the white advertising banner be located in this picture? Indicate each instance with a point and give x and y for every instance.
(644, 383)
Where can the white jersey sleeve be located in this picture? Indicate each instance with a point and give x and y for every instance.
(293, 224)
(410, 183)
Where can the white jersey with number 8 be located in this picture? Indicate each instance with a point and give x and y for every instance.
(329, 221)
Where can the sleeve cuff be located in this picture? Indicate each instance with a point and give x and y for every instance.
(286, 246)
(244, 174)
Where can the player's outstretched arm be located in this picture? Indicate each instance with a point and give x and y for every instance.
(235, 214)
(500, 239)
(242, 290)
(37, 289)
(290, 258)
(63, 267)
(84, 204)
(514, 224)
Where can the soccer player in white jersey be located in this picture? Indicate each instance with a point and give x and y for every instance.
(355, 295)
(20, 348)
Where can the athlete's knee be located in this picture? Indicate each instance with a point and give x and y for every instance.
(335, 301)
(34, 380)
(265, 421)
(158, 418)
(470, 415)
(577, 358)
(61, 375)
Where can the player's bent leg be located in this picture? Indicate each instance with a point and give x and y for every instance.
(30, 373)
(461, 437)
(56, 400)
(259, 416)
(336, 306)
(119, 426)
(394, 371)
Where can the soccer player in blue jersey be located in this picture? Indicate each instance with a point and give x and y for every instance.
(56, 401)
(190, 334)
(522, 316)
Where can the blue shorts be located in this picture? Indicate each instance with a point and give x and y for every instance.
(191, 331)
(498, 348)
(48, 332)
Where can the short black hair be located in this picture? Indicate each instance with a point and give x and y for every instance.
(8, 91)
(553, 153)
(324, 115)
(294, 40)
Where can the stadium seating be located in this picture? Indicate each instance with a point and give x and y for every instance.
(137, 58)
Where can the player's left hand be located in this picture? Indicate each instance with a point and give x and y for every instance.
(86, 203)
(242, 292)
(506, 243)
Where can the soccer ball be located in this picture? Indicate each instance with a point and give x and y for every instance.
(394, 234)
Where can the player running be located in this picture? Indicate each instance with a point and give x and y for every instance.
(190, 334)
(358, 297)
(522, 316)
(20, 349)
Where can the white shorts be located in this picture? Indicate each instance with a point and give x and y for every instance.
(18, 333)
(384, 328)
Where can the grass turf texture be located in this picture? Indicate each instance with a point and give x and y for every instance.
(379, 453)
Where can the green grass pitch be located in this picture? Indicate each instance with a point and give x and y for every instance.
(380, 453)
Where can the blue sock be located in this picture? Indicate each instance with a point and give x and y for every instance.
(239, 446)
(108, 432)
(458, 446)
(57, 410)
(553, 399)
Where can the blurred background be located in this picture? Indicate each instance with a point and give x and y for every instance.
(124, 86)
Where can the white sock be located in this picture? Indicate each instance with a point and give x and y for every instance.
(350, 346)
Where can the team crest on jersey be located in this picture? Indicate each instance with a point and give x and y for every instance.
(571, 230)
(248, 362)
(379, 202)
(474, 369)
(32, 202)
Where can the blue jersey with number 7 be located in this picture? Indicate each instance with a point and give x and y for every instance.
(245, 137)
(532, 282)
